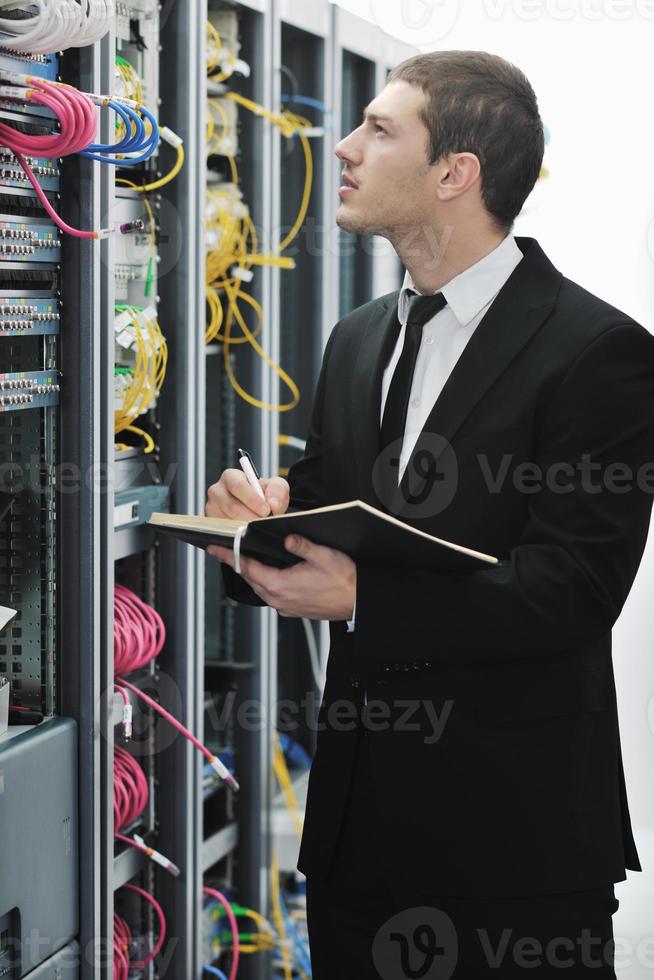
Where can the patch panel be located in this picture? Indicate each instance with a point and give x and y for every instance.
(37, 238)
(28, 389)
(42, 65)
(22, 315)
(30, 109)
(13, 175)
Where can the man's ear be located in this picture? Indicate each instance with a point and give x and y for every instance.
(459, 173)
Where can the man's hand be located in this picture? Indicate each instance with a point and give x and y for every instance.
(234, 498)
(322, 586)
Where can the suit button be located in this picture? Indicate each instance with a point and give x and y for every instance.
(396, 666)
(426, 665)
(386, 666)
(354, 681)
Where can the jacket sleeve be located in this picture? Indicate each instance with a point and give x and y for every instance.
(304, 478)
(566, 580)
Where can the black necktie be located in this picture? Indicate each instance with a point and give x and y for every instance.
(421, 310)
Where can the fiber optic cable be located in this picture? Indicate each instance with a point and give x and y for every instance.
(138, 331)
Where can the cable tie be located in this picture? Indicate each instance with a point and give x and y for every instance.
(245, 275)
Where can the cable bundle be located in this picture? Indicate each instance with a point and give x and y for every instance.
(43, 26)
(138, 131)
(139, 631)
(77, 115)
(233, 249)
(139, 635)
(138, 380)
(130, 791)
(130, 800)
(78, 120)
(123, 964)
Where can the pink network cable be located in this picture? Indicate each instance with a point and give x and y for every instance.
(139, 631)
(123, 964)
(78, 123)
(130, 800)
(139, 635)
(233, 926)
(130, 791)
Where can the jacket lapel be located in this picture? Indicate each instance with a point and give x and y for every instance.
(379, 337)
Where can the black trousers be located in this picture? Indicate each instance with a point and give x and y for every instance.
(366, 924)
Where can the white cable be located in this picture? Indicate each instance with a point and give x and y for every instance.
(55, 25)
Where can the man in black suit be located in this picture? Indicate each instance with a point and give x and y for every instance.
(467, 813)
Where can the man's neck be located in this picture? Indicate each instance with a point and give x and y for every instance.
(433, 259)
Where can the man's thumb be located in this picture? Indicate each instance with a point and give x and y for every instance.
(277, 494)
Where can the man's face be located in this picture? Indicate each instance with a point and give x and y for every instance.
(388, 184)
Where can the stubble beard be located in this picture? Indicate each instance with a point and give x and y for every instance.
(361, 227)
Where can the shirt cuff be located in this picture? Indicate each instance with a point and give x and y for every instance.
(350, 622)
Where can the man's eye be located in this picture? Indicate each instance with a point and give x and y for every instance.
(379, 129)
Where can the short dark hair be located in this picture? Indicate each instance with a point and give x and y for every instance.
(479, 103)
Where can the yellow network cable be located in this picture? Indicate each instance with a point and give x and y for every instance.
(286, 783)
(131, 83)
(141, 382)
(231, 225)
(233, 294)
(214, 47)
(279, 918)
(214, 60)
(233, 236)
(290, 125)
(132, 88)
(162, 181)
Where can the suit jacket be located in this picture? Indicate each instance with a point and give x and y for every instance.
(494, 737)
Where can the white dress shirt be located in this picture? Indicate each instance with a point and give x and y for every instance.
(444, 338)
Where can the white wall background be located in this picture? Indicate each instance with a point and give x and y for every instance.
(591, 65)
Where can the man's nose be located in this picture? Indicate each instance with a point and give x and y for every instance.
(347, 150)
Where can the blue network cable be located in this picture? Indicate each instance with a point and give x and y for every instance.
(214, 971)
(136, 139)
(299, 943)
(294, 752)
(307, 100)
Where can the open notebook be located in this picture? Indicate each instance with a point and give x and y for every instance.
(364, 533)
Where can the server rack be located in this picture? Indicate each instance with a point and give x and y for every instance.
(197, 425)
